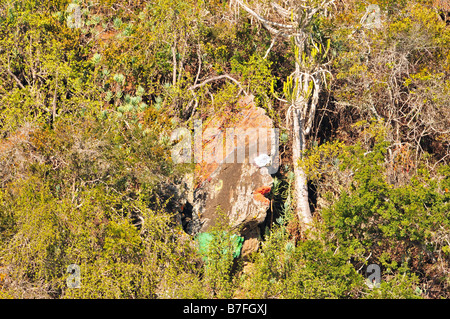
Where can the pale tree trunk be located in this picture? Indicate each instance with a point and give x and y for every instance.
(301, 185)
(299, 112)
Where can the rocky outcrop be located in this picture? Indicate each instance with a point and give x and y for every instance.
(238, 185)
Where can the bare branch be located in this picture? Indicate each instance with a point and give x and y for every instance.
(15, 78)
(219, 77)
(282, 11)
(271, 45)
(262, 20)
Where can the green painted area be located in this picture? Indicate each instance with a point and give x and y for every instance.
(204, 241)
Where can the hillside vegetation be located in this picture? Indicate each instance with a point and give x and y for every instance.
(90, 92)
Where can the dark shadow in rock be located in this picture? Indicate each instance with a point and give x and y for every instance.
(186, 217)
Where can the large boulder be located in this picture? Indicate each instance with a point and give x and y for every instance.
(234, 176)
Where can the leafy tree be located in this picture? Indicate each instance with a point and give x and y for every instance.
(302, 87)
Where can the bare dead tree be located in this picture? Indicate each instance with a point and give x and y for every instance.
(292, 19)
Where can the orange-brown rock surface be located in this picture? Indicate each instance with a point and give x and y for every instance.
(228, 178)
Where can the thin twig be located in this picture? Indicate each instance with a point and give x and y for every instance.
(199, 65)
(54, 98)
(174, 59)
(271, 45)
